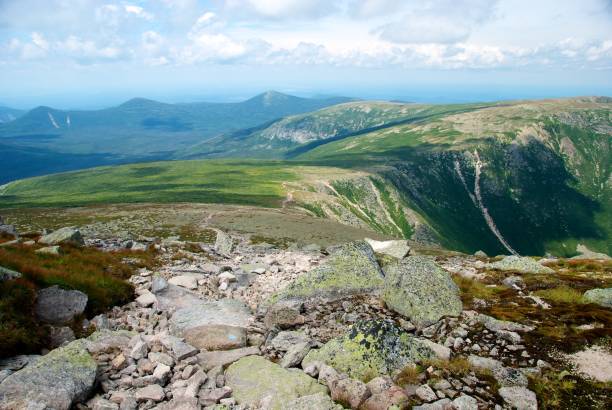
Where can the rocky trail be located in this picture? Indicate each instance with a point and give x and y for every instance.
(236, 325)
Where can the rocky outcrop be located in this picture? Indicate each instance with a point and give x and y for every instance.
(256, 381)
(56, 381)
(521, 264)
(7, 229)
(58, 306)
(601, 297)
(63, 235)
(419, 289)
(372, 348)
(351, 269)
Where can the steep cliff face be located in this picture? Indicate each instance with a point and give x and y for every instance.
(525, 179)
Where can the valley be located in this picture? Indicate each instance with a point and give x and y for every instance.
(365, 255)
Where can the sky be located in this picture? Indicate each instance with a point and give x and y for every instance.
(90, 53)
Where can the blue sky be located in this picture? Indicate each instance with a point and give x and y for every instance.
(88, 53)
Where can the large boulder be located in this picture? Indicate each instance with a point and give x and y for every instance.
(63, 235)
(56, 381)
(416, 287)
(223, 243)
(373, 348)
(601, 297)
(217, 325)
(8, 274)
(256, 381)
(398, 249)
(57, 306)
(350, 269)
(521, 264)
(7, 229)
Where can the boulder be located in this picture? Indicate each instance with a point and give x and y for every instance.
(416, 287)
(350, 269)
(49, 250)
(392, 398)
(398, 249)
(284, 314)
(350, 393)
(518, 398)
(58, 306)
(586, 253)
(146, 299)
(185, 281)
(601, 297)
(8, 274)
(58, 380)
(217, 325)
(254, 380)
(223, 243)
(505, 376)
(521, 264)
(59, 336)
(63, 235)
(223, 358)
(8, 229)
(372, 348)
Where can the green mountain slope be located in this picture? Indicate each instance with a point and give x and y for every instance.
(528, 177)
(542, 171)
(293, 135)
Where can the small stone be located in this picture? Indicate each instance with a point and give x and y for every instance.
(146, 299)
(349, 392)
(185, 281)
(162, 373)
(425, 393)
(152, 392)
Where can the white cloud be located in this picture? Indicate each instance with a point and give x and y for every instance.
(138, 11)
(283, 9)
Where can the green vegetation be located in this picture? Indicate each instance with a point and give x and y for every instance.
(231, 182)
(100, 275)
(562, 390)
(561, 294)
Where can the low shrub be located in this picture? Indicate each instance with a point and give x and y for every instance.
(100, 275)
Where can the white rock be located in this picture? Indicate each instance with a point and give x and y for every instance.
(185, 281)
(146, 299)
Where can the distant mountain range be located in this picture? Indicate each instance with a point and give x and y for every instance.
(8, 114)
(51, 140)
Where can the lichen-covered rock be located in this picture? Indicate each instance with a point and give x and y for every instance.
(350, 269)
(254, 379)
(371, 348)
(58, 306)
(520, 264)
(319, 401)
(223, 243)
(63, 235)
(419, 289)
(58, 380)
(601, 297)
(519, 398)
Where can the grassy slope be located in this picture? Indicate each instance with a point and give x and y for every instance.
(224, 181)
